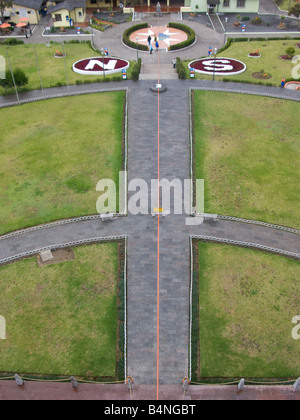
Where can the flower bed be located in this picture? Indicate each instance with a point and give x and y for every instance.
(99, 65)
(260, 75)
(190, 33)
(221, 66)
(285, 57)
(129, 31)
(254, 54)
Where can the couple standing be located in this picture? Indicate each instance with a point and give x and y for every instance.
(150, 44)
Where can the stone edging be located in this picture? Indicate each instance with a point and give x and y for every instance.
(244, 244)
(255, 222)
(60, 246)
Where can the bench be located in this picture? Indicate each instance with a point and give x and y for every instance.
(106, 216)
(210, 217)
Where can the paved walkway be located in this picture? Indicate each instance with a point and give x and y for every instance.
(142, 231)
(116, 394)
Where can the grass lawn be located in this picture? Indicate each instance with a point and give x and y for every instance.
(268, 62)
(52, 69)
(53, 153)
(285, 4)
(61, 319)
(247, 151)
(247, 300)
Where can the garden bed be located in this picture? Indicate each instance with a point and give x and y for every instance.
(261, 75)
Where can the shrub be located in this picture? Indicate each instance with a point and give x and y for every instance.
(290, 51)
(180, 69)
(257, 20)
(12, 41)
(189, 31)
(20, 79)
(135, 74)
(129, 31)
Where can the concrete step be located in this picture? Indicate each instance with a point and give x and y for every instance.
(166, 72)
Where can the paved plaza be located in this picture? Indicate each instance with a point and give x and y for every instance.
(158, 146)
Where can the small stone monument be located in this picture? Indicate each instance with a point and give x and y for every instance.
(158, 10)
(46, 255)
(19, 380)
(297, 385)
(74, 382)
(241, 385)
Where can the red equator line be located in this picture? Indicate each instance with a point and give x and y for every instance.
(158, 220)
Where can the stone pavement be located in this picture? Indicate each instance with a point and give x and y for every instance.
(116, 393)
(142, 234)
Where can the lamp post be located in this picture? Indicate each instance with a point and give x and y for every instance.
(215, 51)
(137, 49)
(102, 55)
(225, 26)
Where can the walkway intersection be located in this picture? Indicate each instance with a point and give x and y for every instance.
(157, 343)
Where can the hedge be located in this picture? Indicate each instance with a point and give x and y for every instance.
(129, 31)
(189, 31)
(180, 69)
(136, 70)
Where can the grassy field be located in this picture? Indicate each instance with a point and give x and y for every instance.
(61, 319)
(247, 151)
(269, 62)
(52, 69)
(53, 153)
(247, 300)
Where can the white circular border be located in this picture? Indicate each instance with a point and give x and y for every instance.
(99, 72)
(210, 73)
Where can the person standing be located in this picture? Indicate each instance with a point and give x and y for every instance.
(156, 45)
(150, 48)
(149, 40)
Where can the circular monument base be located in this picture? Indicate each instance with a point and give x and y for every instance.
(158, 87)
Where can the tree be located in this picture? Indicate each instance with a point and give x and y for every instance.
(295, 11)
(20, 79)
(4, 4)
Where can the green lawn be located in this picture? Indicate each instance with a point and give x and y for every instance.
(61, 319)
(52, 69)
(285, 4)
(247, 151)
(247, 300)
(53, 153)
(269, 62)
